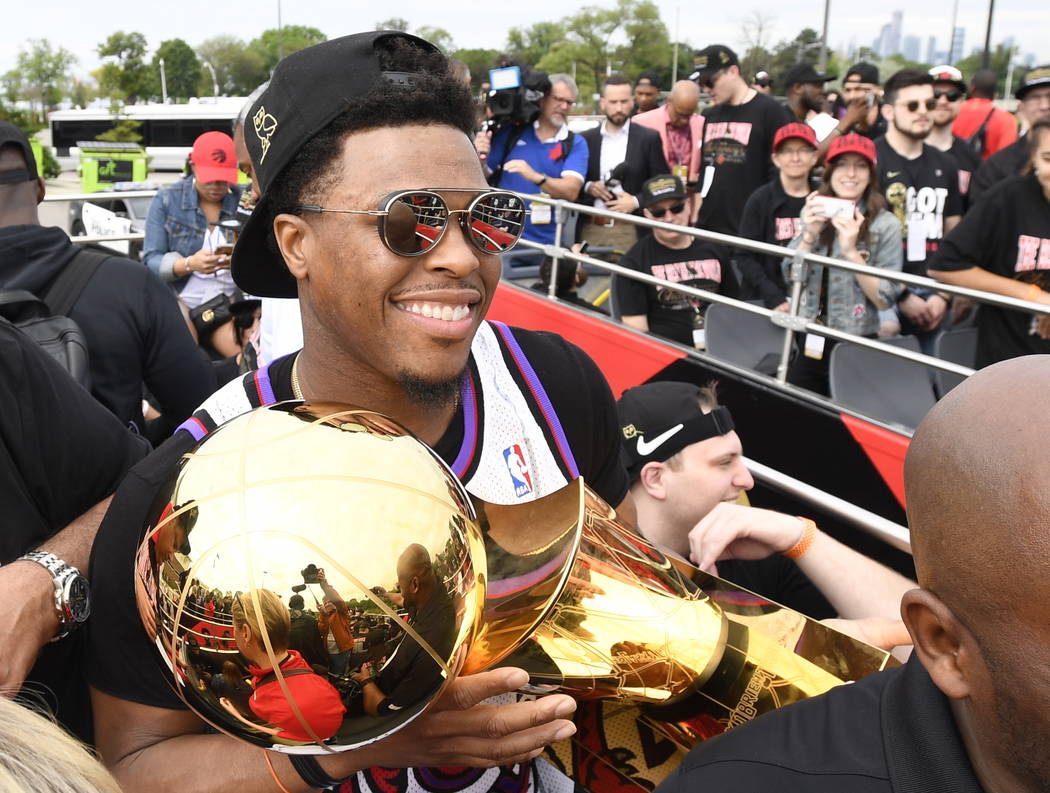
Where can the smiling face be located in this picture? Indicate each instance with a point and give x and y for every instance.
(947, 109)
(850, 176)
(391, 319)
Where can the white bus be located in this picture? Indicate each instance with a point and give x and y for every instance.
(168, 131)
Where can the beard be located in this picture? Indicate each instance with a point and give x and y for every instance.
(617, 119)
(430, 393)
(913, 134)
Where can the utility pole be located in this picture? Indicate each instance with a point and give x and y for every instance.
(674, 63)
(280, 33)
(951, 33)
(163, 83)
(824, 39)
(986, 55)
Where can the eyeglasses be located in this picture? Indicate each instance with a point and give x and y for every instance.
(412, 222)
(563, 102)
(674, 210)
(914, 104)
(953, 95)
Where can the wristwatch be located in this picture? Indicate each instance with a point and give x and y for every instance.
(72, 592)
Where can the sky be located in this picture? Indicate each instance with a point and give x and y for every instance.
(67, 23)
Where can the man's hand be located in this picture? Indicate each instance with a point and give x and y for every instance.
(731, 531)
(624, 203)
(916, 310)
(856, 113)
(483, 144)
(458, 731)
(523, 169)
(28, 620)
(598, 189)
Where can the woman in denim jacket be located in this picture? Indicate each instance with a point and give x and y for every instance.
(869, 235)
(181, 215)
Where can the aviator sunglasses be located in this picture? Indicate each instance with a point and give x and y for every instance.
(674, 210)
(412, 222)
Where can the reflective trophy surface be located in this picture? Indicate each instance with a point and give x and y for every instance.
(348, 512)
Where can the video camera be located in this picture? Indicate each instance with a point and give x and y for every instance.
(515, 95)
(310, 574)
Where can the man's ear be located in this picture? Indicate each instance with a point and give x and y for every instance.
(41, 189)
(652, 480)
(944, 645)
(295, 238)
(887, 111)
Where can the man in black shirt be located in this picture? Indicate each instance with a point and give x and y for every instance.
(687, 477)
(672, 256)
(1003, 246)
(1033, 95)
(966, 713)
(863, 96)
(341, 125)
(61, 454)
(135, 332)
(738, 139)
(773, 214)
(949, 90)
(921, 185)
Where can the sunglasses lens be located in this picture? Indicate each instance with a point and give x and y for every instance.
(496, 222)
(674, 210)
(415, 223)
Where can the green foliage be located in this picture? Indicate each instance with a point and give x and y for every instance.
(30, 124)
(239, 69)
(439, 37)
(274, 44)
(998, 62)
(182, 70)
(479, 61)
(127, 75)
(41, 76)
(124, 130)
(528, 46)
(394, 23)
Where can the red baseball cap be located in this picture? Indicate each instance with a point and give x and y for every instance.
(213, 158)
(795, 130)
(857, 144)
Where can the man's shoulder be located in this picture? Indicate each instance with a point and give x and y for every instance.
(650, 118)
(830, 742)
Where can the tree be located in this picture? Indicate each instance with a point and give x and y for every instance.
(479, 61)
(394, 23)
(126, 76)
(527, 46)
(239, 70)
(998, 62)
(182, 69)
(41, 76)
(439, 37)
(756, 29)
(274, 44)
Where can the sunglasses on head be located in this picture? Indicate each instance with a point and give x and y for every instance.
(412, 222)
(914, 104)
(674, 209)
(954, 95)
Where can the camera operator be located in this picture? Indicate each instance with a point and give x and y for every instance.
(538, 154)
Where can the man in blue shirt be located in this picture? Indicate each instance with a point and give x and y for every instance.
(544, 156)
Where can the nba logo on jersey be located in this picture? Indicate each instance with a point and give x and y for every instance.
(518, 470)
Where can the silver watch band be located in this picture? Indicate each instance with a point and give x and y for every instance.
(61, 574)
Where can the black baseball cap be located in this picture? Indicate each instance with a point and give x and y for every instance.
(1033, 78)
(660, 187)
(307, 90)
(658, 420)
(710, 60)
(805, 74)
(649, 78)
(862, 72)
(12, 135)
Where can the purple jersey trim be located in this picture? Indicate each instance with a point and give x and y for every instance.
(468, 397)
(194, 427)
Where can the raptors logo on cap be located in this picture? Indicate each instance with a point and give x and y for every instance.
(265, 125)
(218, 155)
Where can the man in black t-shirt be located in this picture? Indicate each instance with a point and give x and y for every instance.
(61, 454)
(738, 138)
(1003, 246)
(949, 90)
(773, 214)
(687, 478)
(671, 256)
(921, 186)
(341, 125)
(966, 713)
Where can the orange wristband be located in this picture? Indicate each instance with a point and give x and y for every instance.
(801, 548)
(1033, 293)
(273, 772)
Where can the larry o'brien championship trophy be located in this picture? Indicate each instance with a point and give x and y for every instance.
(345, 507)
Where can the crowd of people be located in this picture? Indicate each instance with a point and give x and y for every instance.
(361, 152)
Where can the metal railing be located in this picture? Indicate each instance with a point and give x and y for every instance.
(789, 320)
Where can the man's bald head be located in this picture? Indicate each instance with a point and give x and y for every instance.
(685, 96)
(415, 575)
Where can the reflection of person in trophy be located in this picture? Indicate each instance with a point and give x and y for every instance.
(411, 674)
(684, 458)
(335, 618)
(317, 701)
(968, 710)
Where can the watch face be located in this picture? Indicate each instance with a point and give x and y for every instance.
(78, 599)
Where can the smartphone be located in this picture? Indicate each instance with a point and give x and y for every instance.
(224, 250)
(831, 207)
(584, 246)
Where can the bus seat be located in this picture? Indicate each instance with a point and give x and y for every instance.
(743, 338)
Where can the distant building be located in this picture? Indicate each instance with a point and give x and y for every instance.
(931, 50)
(958, 43)
(910, 48)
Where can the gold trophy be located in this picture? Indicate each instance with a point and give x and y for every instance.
(417, 582)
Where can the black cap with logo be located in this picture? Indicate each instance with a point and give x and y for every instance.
(660, 187)
(805, 74)
(710, 60)
(308, 89)
(1033, 78)
(12, 135)
(862, 72)
(658, 420)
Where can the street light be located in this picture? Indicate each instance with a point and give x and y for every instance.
(214, 79)
(985, 56)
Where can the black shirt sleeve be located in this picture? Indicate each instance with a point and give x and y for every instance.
(61, 452)
(778, 579)
(632, 296)
(973, 242)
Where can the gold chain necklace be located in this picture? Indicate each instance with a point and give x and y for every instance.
(297, 389)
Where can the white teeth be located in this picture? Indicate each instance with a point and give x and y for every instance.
(437, 311)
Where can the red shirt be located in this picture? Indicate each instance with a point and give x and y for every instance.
(317, 699)
(1001, 129)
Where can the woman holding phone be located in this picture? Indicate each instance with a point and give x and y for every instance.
(845, 218)
(186, 244)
